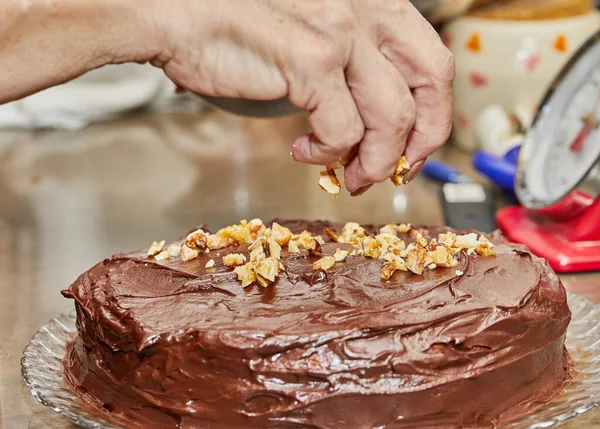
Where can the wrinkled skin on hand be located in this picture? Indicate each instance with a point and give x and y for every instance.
(373, 74)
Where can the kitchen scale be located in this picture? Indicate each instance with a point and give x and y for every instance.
(558, 174)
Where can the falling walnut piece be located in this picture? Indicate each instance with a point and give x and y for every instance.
(329, 182)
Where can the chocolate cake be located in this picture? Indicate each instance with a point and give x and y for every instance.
(315, 325)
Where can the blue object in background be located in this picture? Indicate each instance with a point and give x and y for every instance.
(500, 171)
(512, 155)
(443, 172)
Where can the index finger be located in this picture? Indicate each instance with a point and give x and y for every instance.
(428, 67)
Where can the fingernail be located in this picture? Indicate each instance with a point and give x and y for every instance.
(414, 171)
(361, 191)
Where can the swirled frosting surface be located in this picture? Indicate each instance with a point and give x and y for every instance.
(173, 344)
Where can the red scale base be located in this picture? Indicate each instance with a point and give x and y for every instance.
(566, 234)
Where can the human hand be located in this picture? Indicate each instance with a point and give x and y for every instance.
(373, 74)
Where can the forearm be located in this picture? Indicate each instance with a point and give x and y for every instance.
(48, 42)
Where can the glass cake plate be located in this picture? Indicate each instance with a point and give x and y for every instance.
(41, 367)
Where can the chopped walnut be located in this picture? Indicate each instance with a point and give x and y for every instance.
(442, 257)
(448, 239)
(404, 227)
(259, 243)
(293, 247)
(242, 233)
(340, 255)
(162, 255)
(265, 249)
(351, 233)
(388, 229)
(397, 180)
(370, 248)
(459, 273)
(280, 234)
(315, 248)
(421, 240)
(255, 225)
(324, 263)
(485, 248)
(329, 182)
(257, 254)
(188, 254)
(468, 241)
(401, 169)
(393, 263)
(274, 249)
(174, 250)
(432, 245)
(215, 242)
(268, 269)
(262, 281)
(234, 260)
(265, 246)
(331, 234)
(387, 270)
(245, 274)
(197, 240)
(387, 241)
(156, 248)
(416, 258)
(306, 240)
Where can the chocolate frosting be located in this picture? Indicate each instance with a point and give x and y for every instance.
(171, 344)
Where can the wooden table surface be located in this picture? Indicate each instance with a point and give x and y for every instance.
(70, 198)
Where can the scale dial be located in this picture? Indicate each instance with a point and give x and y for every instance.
(561, 152)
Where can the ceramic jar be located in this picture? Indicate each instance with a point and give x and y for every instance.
(508, 64)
